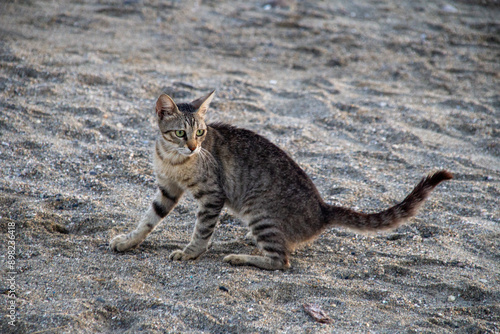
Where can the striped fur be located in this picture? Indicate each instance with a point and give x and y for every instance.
(221, 165)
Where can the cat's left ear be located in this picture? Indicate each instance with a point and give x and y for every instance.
(166, 107)
(201, 104)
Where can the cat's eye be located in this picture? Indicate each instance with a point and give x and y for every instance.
(200, 132)
(180, 133)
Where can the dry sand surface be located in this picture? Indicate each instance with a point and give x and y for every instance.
(367, 96)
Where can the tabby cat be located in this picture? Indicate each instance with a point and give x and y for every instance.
(221, 165)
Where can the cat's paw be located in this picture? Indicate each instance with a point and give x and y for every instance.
(180, 255)
(235, 259)
(249, 237)
(121, 243)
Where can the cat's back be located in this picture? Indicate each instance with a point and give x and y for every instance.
(253, 164)
(250, 149)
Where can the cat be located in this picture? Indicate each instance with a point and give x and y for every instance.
(222, 165)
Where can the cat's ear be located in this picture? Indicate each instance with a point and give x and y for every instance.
(201, 104)
(166, 107)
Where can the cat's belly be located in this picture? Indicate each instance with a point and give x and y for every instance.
(237, 211)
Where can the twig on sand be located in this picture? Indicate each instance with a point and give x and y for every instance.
(317, 313)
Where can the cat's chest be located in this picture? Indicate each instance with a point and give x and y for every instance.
(183, 174)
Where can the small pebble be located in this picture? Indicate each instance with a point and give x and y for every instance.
(56, 227)
(449, 9)
(451, 298)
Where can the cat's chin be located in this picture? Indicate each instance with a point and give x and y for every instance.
(177, 157)
(188, 154)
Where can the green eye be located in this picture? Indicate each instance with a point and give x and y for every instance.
(200, 133)
(180, 133)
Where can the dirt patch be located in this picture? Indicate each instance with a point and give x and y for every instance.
(366, 96)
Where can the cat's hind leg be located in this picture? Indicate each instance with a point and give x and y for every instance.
(164, 202)
(263, 262)
(271, 240)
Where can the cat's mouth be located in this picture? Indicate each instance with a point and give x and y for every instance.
(187, 152)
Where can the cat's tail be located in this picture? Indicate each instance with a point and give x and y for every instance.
(390, 218)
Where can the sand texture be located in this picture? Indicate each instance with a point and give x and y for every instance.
(367, 97)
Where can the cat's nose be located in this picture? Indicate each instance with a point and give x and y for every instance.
(191, 147)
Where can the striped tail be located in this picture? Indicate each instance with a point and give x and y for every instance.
(390, 218)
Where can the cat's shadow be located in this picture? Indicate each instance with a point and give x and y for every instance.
(236, 245)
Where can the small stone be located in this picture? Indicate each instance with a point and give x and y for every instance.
(417, 238)
(59, 228)
(449, 9)
(451, 298)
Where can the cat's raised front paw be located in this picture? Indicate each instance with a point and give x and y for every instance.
(122, 243)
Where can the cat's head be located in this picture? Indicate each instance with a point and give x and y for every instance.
(183, 125)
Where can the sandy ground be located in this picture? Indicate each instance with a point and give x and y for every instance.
(367, 96)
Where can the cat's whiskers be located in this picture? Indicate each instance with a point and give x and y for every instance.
(207, 158)
(171, 154)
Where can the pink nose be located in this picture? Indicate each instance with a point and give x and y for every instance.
(192, 148)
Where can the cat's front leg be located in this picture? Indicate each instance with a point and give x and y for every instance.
(207, 216)
(165, 200)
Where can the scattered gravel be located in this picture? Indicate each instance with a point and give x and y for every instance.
(367, 97)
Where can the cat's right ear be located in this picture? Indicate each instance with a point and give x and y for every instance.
(166, 107)
(201, 104)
